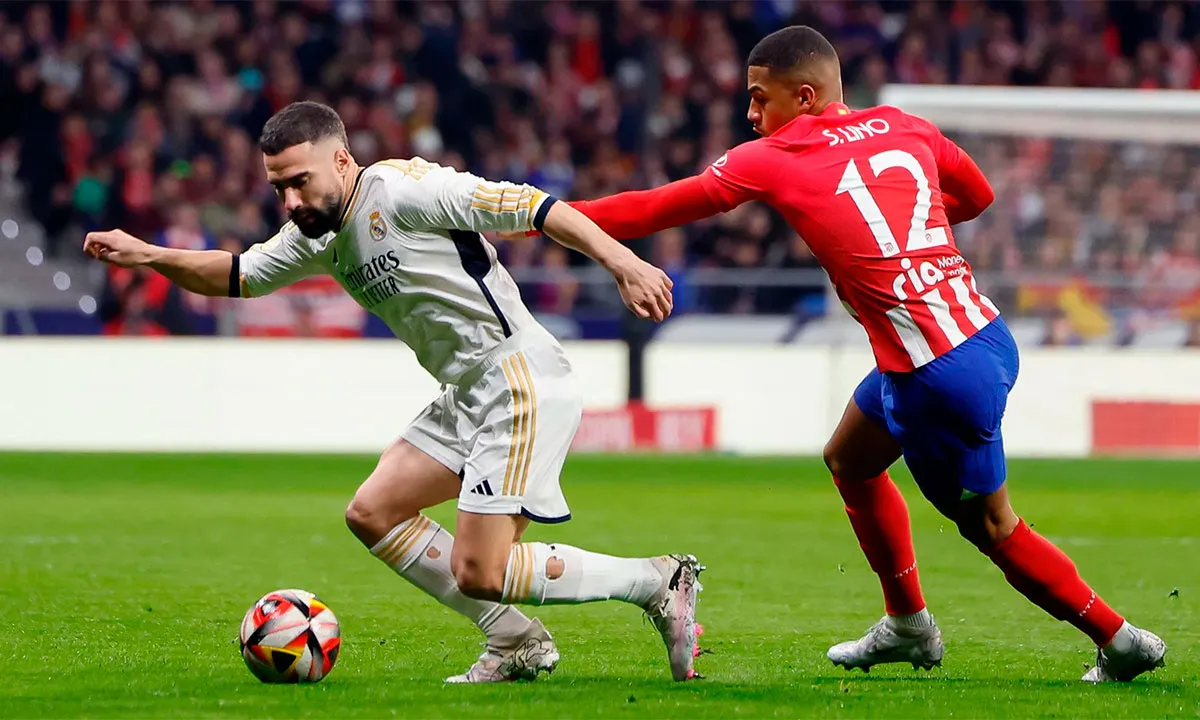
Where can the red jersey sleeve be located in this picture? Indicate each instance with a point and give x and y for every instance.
(966, 192)
(638, 213)
(738, 176)
(744, 173)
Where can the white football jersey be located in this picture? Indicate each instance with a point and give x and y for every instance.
(410, 251)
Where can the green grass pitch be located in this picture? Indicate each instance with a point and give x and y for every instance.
(123, 580)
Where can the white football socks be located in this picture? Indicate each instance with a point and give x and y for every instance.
(1124, 641)
(418, 549)
(586, 576)
(917, 621)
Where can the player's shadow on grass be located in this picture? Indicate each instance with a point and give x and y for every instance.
(789, 690)
(852, 679)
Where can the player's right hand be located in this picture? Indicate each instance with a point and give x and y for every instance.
(645, 289)
(117, 247)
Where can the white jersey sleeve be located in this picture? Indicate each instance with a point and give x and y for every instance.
(433, 197)
(284, 259)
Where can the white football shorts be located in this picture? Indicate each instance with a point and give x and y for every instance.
(507, 432)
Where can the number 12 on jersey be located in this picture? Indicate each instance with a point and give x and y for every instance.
(852, 183)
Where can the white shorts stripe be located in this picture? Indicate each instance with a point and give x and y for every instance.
(945, 320)
(914, 342)
(963, 295)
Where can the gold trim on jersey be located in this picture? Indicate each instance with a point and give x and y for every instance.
(402, 543)
(524, 427)
(502, 199)
(353, 198)
(416, 167)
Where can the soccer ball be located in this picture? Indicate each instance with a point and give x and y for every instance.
(289, 636)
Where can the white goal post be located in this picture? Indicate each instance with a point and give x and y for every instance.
(1102, 114)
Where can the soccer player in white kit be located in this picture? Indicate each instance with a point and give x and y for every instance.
(403, 238)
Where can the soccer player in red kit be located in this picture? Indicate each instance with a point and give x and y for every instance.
(874, 193)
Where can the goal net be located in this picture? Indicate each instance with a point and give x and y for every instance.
(1094, 237)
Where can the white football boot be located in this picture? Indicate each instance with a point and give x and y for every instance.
(672, 610)
(1145, 652)
(531, 653)
(884, 643)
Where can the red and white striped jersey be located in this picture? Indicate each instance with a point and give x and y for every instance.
(873, 193)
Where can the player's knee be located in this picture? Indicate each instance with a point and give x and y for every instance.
(358, 516)
(477, 580)
(842, 466)
(369, 522)
(973, 532)
(833, 460)
(986, 530)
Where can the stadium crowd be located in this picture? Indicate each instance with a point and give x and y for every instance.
(145, 115)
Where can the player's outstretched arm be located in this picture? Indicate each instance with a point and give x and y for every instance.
(638, 213)
(745, 173)
(645, 289)
(205, 272)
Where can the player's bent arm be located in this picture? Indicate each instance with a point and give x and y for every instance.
(571, 228)
(966, 192)
(638, 213)
(645, 289)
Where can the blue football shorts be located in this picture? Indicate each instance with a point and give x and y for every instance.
(946, 414)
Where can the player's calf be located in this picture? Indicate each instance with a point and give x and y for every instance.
(1034, 566)
(1041, 572)
(548, 574)
(665, 587)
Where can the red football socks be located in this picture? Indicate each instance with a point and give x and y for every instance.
(1045, 575)
(879, 517)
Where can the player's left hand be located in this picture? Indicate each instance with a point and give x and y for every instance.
(645, 289)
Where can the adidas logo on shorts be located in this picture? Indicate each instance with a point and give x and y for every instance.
(483, 488)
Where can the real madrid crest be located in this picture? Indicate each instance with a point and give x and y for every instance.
(378, 229)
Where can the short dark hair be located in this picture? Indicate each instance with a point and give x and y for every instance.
(791, 48)
(298, 123)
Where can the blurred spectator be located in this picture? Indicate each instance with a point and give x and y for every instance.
(670, 254)
(139, 301)
(144, 115)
